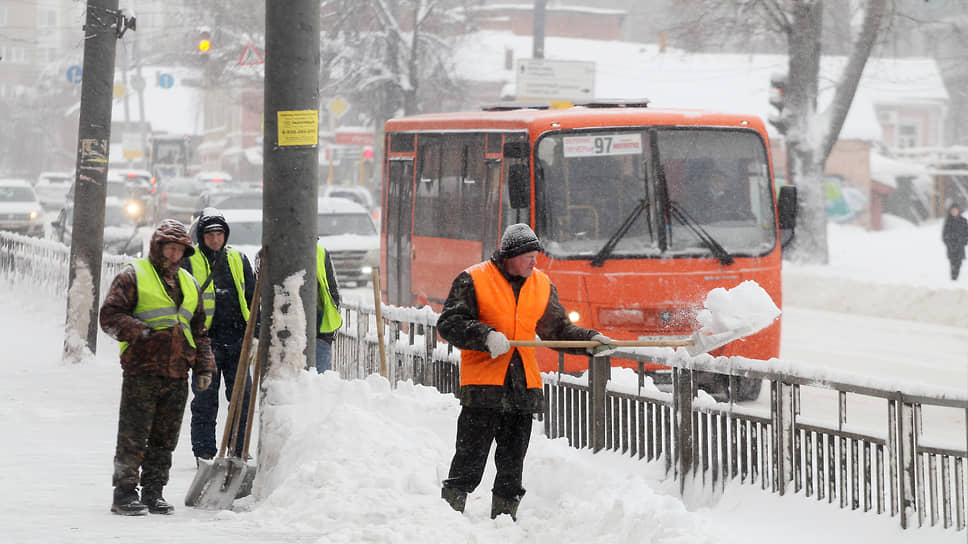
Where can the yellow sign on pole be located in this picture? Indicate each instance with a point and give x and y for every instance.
(298, 127)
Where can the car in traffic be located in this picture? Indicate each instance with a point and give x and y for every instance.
(360, 195)
(128, 209)
(20, 210)
(345, 230)
(179, 198)
(52, 188)
(350, 236)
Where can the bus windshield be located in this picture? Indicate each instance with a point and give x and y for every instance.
(654, 192)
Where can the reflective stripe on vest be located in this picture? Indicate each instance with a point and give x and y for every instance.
(201, 270)
(156, 308)
(332, 320)
(516, 319)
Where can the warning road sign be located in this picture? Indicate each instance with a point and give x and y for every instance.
(251, 56)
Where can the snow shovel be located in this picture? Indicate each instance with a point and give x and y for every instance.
(696, 343)
(217, 483)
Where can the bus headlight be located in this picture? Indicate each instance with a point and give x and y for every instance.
(574, 316)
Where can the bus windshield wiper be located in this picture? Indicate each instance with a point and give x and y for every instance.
(609, 246)
(718, 250)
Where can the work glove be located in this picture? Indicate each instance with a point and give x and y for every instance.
(604, 349)
(497, 344)
(202, 381)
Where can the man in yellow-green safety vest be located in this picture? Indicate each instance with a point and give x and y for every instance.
(154, 310)
(227, 282)
(328, 318)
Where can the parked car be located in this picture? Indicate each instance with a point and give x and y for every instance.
(20, 211)
(52, 188)
(350, 237)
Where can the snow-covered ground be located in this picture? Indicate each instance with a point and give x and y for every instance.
(363, 461)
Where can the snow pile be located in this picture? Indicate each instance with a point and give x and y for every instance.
(746, 307)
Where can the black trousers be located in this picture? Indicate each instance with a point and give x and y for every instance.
(476, 429)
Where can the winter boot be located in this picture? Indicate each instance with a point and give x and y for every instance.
(500, 505)
(156, 504)
(126, 502)
(454, 497)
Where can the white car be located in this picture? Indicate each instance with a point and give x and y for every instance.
(348, 234)
(345, 230)
(20, 211)
(52, 187)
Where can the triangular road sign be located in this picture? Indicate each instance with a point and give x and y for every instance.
(251, 56)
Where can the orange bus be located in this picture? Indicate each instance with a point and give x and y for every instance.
(641, 211)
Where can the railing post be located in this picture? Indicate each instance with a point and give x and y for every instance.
(682, 393)
(599, 372)
(783, 425)
(907, 442)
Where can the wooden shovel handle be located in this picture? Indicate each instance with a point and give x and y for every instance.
(257, 370)
(242, 370)
(659, 343)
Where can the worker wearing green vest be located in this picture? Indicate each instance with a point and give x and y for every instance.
(227, 286)
(154, 309)
(328, 318)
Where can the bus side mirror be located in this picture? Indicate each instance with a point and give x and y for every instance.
(786, 208)
(519, 186)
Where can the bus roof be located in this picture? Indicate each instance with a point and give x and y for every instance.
(540, 120)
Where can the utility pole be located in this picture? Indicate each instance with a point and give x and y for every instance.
(103, 26)
(538, 38)
(291, 178)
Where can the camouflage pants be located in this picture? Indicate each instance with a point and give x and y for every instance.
(148, 424)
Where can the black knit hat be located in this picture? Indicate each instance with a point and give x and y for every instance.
(211, 220)
(517, 240)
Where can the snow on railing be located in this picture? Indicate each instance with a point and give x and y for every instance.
(43, 265)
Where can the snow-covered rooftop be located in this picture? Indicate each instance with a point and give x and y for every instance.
(724, 82)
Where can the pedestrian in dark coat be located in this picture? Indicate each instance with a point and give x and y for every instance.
(504, 297)
(954, 233)
(225, 273)
(155, 310)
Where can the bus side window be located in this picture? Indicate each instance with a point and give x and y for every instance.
(428, 187)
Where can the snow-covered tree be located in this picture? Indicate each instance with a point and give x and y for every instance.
(390, 57)
(810, 132)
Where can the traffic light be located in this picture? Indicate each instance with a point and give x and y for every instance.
(778, 84)
(368, 153)
(204, 42)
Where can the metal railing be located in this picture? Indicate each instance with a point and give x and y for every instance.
(896, 469)
(43, 265)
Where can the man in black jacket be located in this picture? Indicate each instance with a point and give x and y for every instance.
(505, 297)
(227, 286)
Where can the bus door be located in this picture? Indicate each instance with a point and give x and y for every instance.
(492, 196)
(399, 213)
